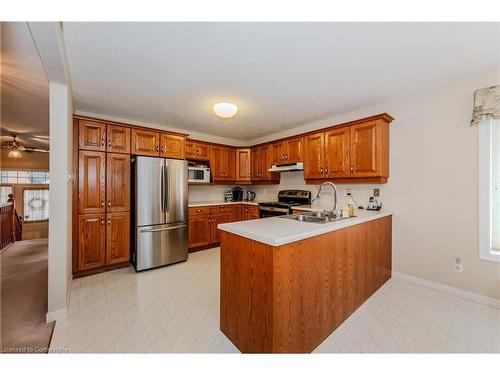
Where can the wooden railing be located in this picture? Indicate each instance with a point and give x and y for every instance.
(11, 224)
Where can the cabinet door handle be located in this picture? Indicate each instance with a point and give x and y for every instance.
(157, 148)
(109, 142)
(352, 168)
(286, 156)
(198, 210)
(109, 203)
(326, 170)
(321, 170)
(102, 141)
(102, 221)
(102, 203)
(109, 221)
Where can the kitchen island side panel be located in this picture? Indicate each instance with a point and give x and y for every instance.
(320, 281)
(246, 293)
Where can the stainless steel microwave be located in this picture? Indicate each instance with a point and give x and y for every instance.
(198, 174)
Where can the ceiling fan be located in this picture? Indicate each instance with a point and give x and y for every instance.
(15, 148)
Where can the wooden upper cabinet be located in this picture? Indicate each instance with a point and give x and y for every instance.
(91, 181)
(216, 163)
(265, 162)
(117, 237)
(118, 139)
(278, 153)
(255, 164)
(369, 149)
(314, 156)
(243, 164)
(294, 150)
(172, 146)
(337, 150)
(91, 241)
(145, 142)
(197, 150)
(91, 135)
(117, 182)
(230, 163)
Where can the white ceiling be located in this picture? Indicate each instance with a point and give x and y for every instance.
(24, 88)
(281, 75)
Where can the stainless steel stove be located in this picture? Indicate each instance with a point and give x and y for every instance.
(287, 199)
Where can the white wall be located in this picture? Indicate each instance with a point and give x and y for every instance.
(60, 198)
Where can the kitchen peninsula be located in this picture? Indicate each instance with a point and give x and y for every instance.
(286, 285)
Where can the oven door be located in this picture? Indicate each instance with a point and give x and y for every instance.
(272, 211)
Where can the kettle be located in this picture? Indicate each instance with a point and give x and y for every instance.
(250, 195)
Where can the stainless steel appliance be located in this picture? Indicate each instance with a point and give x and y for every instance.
(287, 167)
(237, 194)
(199, 174)
(287, 199)
(159, 211)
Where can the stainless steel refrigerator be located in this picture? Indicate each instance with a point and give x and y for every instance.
(159, 205)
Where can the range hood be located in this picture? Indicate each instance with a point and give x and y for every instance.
(287, 167)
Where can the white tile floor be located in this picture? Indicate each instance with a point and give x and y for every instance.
(176, 309)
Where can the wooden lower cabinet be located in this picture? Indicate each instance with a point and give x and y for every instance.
(103, 240)
(199, 230)
(117, 237)
(203, 221)
(91, 241)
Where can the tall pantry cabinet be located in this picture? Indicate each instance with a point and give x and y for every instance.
(101, 196)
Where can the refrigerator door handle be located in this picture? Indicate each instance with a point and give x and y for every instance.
(166, 187)
(163, 229)
(162, 188)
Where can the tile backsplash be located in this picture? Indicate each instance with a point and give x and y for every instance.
(289, 180)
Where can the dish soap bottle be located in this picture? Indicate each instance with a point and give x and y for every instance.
(351, 205)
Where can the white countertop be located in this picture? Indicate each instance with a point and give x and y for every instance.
(276, 231)
(218, 203)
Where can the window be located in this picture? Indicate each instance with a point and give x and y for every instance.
(24, 177)
(35, 204)
(489, 190)
(4, 193)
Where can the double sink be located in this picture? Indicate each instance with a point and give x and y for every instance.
(315, 217)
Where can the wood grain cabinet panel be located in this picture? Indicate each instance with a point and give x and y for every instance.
(197, 150)
(249, 212)
(243, 164)
(230, 163)
(172, 146)
(118, 139)
(91, 135)
(216, 163)
(370, 149)
(337, 155)
(278, 152)
(294, 150)
(91, 241)
(91, 181)
(117, 237)
(314, 155)
(117, 182)
(199, 232)
(145, 142)
(220, 218)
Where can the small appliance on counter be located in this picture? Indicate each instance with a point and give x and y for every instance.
(228, 196)
(250, 196)
(237, 194)
(374, 205)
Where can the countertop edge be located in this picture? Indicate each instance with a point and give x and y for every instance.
(219, 203)
(302, 236)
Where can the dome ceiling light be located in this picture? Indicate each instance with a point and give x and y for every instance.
(225, 110)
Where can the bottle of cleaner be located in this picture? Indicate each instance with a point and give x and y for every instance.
(351, 205)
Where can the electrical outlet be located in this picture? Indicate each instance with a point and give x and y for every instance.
(376, 192)
(457, 265)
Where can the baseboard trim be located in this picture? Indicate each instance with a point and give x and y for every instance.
(479, 298)
(60, 314)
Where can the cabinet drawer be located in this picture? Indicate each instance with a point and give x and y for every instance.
(222, 208)
(199, 210)
(251, 209)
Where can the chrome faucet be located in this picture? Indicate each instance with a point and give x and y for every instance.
(334, 211)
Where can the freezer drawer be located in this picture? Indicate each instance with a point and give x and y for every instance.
(158, 245)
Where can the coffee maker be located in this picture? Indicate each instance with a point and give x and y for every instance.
(237, 194)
